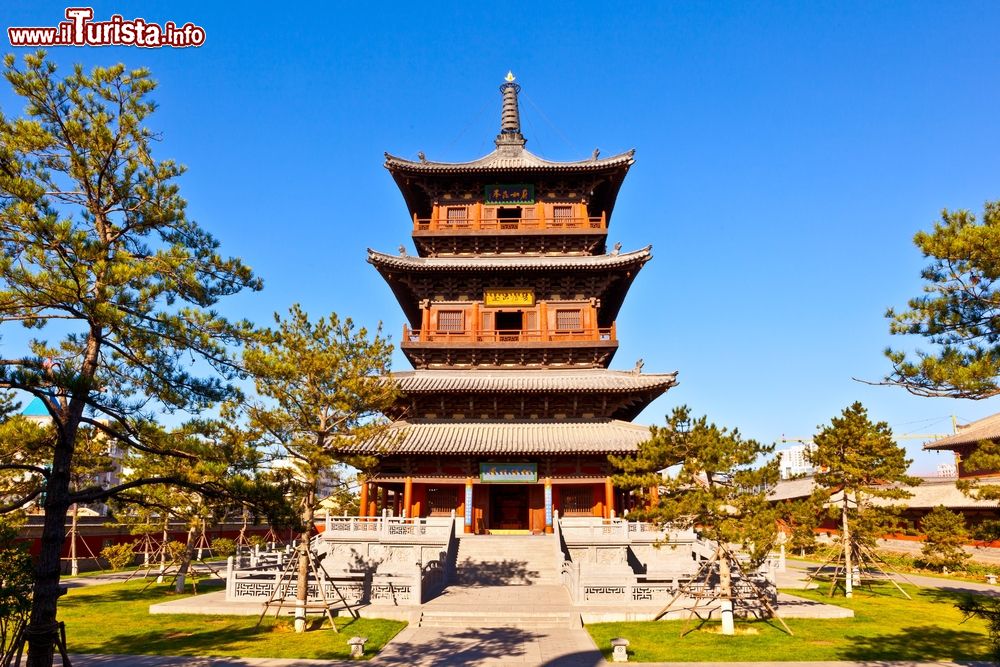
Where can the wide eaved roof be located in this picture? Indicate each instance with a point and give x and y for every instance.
(508, 436)
(509, 263)
(596, 380)
(987, 428)
(509, 159)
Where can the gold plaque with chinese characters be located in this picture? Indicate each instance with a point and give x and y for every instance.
(509, 297)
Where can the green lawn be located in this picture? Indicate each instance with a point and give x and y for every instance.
(115, 619)
(886, 626)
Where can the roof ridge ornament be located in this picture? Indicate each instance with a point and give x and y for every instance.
(510, 117)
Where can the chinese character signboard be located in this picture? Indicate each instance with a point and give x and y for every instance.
(508, 473)
(508, 297)
(548, 504)
(468, 504)
(518, 193)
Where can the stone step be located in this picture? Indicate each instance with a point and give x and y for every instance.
(482, 619)
(540, 581)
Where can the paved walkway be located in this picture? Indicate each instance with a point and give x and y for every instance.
(797, 570)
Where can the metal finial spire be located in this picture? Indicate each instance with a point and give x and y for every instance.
(510, 117)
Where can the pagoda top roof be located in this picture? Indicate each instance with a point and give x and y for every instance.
(596, 380)
(506, 436)
(604, 175)
(987, 428)
(510, 262)
(510, 159)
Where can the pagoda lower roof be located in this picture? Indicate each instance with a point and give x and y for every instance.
(509, 159)
(541, 381)
(503, 437)
(510, 263)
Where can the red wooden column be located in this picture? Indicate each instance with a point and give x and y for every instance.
(408, 497)
(609, 498)
(363, 504)
(372, 500)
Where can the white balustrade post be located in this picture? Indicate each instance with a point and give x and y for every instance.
(230, 579)
(329, 522)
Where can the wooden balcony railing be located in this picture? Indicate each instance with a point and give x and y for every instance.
(601, 334)
(510, 224)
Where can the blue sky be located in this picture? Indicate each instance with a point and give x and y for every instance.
(786, 154)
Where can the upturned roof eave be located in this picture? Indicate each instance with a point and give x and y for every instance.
(548, 381)
(498, 161)
(526, 262)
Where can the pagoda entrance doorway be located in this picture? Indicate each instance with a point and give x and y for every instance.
(509, 507)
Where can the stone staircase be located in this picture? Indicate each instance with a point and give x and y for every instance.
(507, 560)
(504, 581)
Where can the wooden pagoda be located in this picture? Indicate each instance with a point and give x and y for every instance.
(510, 304)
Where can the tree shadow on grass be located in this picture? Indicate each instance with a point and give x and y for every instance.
(214, 635)
(917, 643)
(209, 639)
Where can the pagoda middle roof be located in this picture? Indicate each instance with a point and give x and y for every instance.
(509, 159)
(596, 380)
(506, 436)
(509, 263)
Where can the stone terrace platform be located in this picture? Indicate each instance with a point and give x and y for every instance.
(528, 606)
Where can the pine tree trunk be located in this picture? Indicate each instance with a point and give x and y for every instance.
(302, 591)
(45, 595)
(845, 541)
(185, 564)
(726, 592)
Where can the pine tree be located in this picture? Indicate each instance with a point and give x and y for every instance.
(860, 461)
(320, 386)
(959, 311)
(945, 535)
(715, 483)
(95, 237)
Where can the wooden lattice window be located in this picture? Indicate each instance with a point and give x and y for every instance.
(562, 215)
(458, 216)
(441, 500)
(451, 320)
(576, 500)
(568, 320)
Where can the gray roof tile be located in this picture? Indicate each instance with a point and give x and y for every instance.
(987, 428)
(426, 436)
(531, 381)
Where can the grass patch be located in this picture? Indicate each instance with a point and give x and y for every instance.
(115, 619)
(886, 626)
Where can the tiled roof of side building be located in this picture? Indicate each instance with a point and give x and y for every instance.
(510, 263)
(987, 428)
(930, 493)
(419, 436)
(531, 381)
